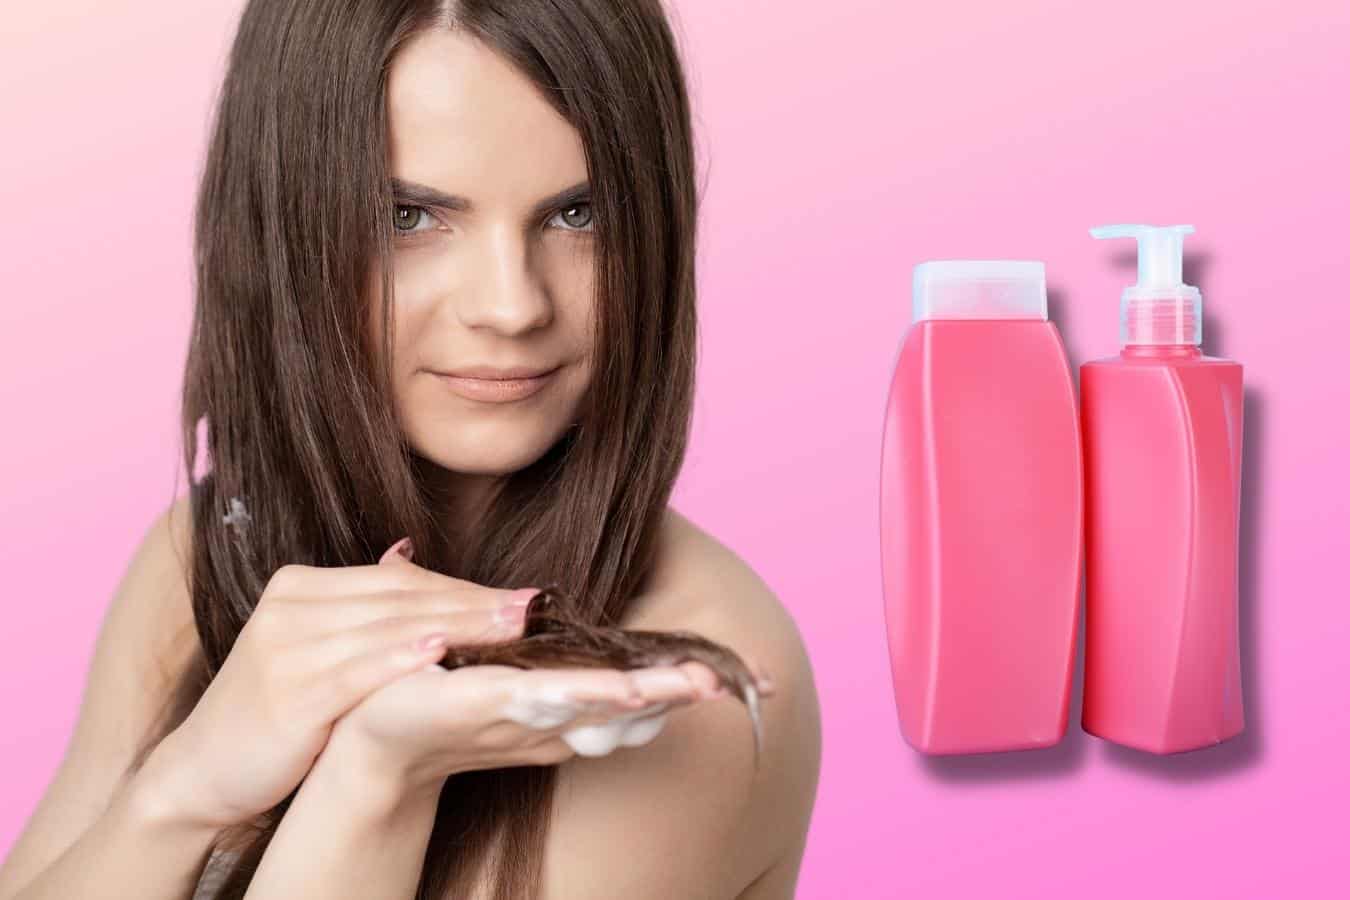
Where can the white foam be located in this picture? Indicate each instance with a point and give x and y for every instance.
(548, 706)
(627, 730)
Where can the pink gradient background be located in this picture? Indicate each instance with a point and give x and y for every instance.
(844, 144)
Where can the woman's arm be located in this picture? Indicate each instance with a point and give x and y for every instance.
(138, 845)
(347, 834)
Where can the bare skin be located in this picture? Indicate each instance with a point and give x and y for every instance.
(503, 284)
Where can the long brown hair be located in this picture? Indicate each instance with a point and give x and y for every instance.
(306, 460)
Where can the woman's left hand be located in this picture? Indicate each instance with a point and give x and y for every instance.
(408, 736)
(413, 733)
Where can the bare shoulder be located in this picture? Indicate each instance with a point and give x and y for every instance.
(699, 584)
(152, 607)
(145, 637)
(690, 814)
(168, 562)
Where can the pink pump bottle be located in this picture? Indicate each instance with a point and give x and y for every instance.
(1162, 437)
(981, 513)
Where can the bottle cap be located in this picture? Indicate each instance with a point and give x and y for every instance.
(979, 289)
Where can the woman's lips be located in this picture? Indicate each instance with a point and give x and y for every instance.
(495, 390)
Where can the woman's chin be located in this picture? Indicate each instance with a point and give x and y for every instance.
(490, 452)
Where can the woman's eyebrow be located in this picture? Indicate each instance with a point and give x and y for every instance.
(414, 194)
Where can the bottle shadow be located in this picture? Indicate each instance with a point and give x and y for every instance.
(1059, 314)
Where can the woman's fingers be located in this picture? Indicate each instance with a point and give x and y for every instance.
(400, 550)
(297, 579)
(600, 724)
(335, 690)
(657, 684)
(354, 589)
(347, 613)
(323, 652)
(343, 667)
(549, 701)
(705, 680)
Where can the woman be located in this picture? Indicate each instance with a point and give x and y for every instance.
(445, 276)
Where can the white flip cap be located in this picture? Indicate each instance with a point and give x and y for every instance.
(980, 289)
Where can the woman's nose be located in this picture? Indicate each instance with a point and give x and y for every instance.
(508, 295)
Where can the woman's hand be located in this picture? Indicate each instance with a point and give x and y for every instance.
(410, 735)
(319, 641)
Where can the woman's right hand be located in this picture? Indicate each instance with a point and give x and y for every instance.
(319, 641)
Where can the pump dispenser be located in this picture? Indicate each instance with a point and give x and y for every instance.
(1162, 445)
(1158, 308)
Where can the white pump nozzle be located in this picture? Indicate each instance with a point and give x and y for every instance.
(1158, 308)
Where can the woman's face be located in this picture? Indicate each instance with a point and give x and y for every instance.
(501, 278)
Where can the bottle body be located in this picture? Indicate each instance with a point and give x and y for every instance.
(982, 534)
(1162, 440)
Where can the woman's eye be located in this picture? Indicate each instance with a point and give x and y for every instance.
(576, 217)
(407, 217)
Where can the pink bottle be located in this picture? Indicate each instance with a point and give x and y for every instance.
(981, 513)
(1162, 437)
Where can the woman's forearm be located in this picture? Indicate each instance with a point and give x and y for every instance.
(138, 847)
(345, 835)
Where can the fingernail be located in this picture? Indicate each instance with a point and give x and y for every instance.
(402, 547)
(521, 597)
(511, 615)
(432, 642)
